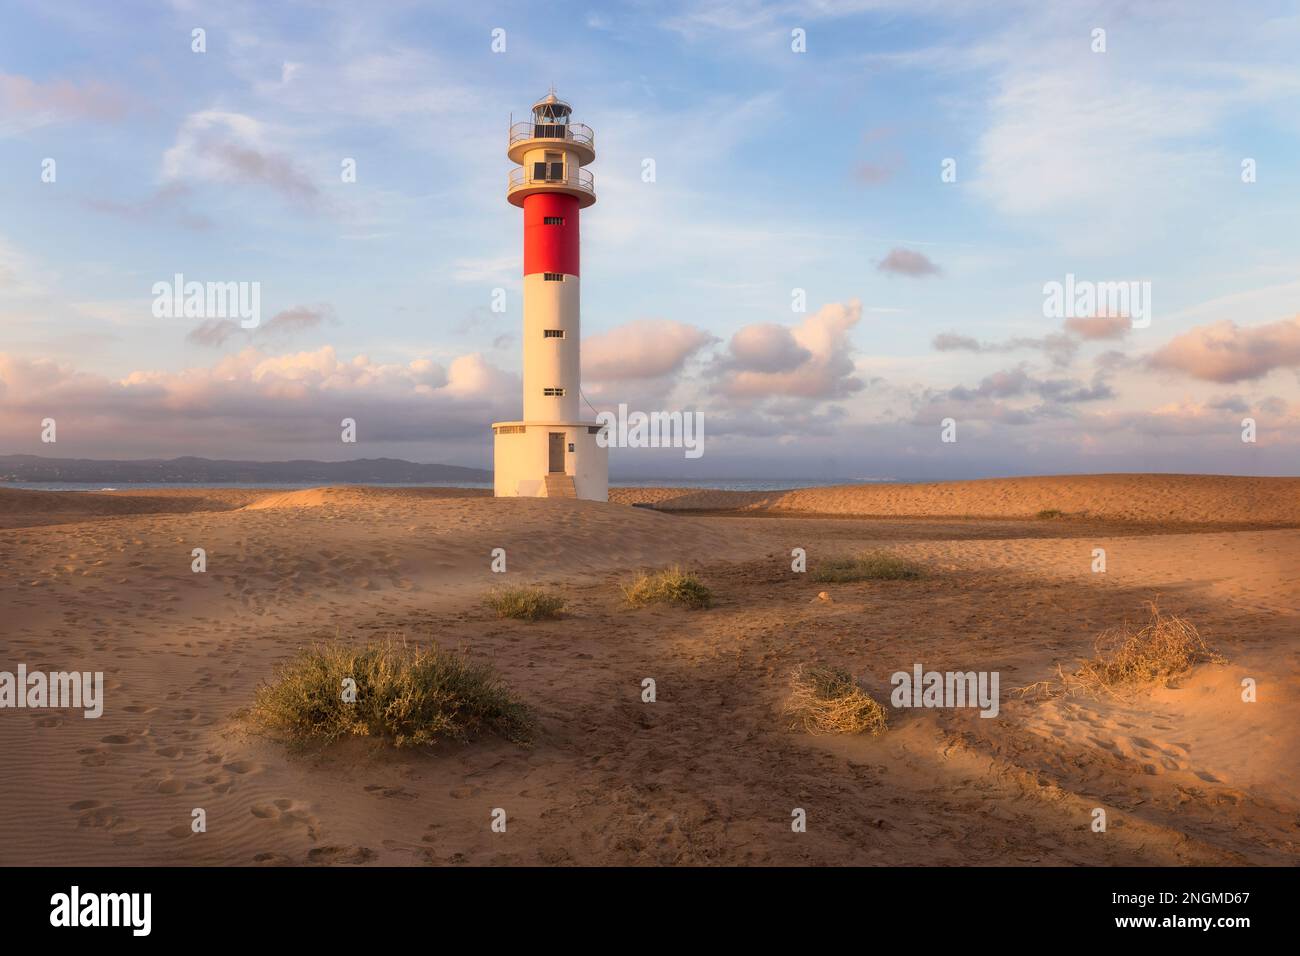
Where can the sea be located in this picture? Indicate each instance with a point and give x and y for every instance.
(702, 484)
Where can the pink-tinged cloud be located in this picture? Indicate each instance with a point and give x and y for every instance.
(216, 332)
(873, 174)
(1099, 326)
(766, 347)
(907, 262)
(250, 399)
(823, 370)
(1188, 417)
(164, 203)
(25, 103)
(1057, 346)
(647, 348)
(220, 147)
(1226, 352)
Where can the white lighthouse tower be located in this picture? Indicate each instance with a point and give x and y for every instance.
(552, 452)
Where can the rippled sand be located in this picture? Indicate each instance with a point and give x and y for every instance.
(709, 773)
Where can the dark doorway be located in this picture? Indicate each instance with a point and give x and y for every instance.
(557, 452)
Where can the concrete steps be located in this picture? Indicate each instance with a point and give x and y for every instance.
(560, 486)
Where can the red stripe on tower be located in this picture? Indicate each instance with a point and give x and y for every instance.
(550, 233)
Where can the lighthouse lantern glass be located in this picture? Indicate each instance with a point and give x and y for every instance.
(550, 120)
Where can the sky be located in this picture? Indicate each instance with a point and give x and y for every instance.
(855, 211)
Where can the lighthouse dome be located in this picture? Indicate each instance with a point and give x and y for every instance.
(551, 107)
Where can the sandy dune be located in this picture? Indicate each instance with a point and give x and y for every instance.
(23, 508)
(1192, 499)
(707, 774)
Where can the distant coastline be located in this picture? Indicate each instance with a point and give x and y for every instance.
(39, 473)
(702, 484)
(20, 470)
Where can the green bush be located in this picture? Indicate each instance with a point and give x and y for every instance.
(407, 696)
(525, 604)
(671, 586)
(875, 566)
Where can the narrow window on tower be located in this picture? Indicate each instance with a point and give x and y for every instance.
(553, 220)
(553, 392)
(553, 333)
(552, 276)
(555, 168)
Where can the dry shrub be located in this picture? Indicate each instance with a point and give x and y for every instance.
(1165, 647)
(1047, 514)
(874, 566)
(525, 604)
(408, 696)
(671, 586)
(826, 700)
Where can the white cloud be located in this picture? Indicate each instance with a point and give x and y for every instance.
(252, 399)
(647, 348)
(824, 369)
(224, 147)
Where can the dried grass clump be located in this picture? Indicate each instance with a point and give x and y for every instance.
(874, 566)
(525, 604)
(1048, 514)
(826, 700)
(407, 696)
(1165, 647)
(671, 586)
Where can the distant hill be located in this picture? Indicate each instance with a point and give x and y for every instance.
(200, 471)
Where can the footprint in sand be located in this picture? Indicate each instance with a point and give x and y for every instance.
(341, 854)
(127, 836)
(98, 757)
(126, 742)
(170, 785)
(424, 854)
(92, 813)
(219, 782)
(392, 793)
(1168, 757)
(286, 812)
(242, 767)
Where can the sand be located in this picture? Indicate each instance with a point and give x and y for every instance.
(709, 773)
(1193, 499)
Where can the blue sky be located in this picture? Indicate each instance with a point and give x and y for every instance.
(774, 171)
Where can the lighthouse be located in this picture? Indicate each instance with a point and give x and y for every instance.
(553, 451)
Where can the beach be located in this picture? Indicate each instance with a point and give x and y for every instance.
(711, 771)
